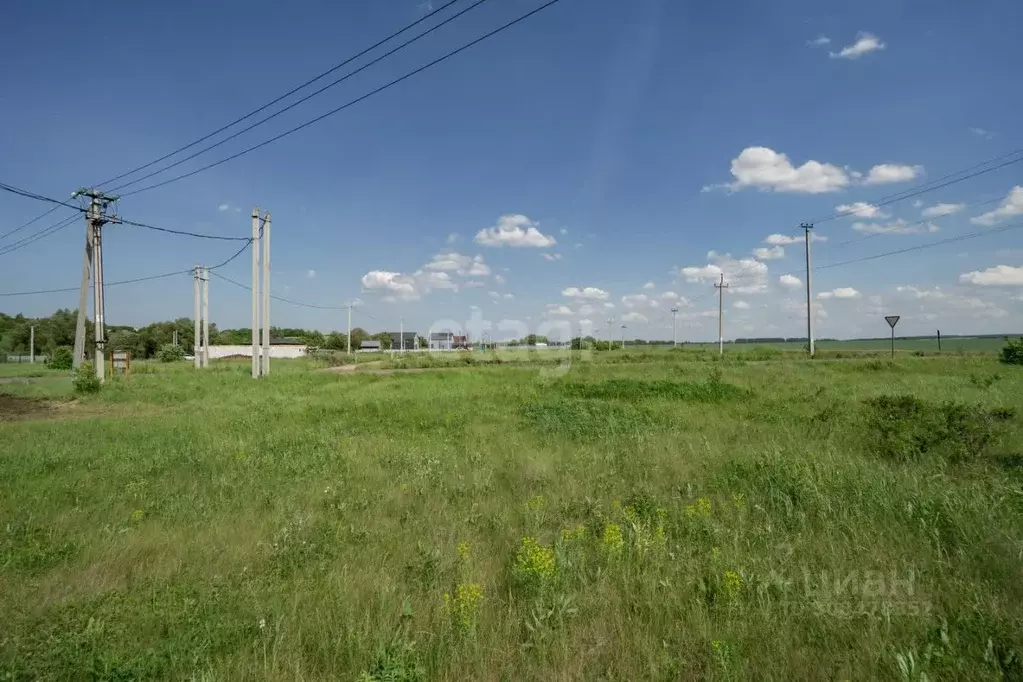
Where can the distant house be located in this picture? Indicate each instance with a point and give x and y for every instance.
(442, 340)
(370, 346)
(403, 341)
(461, 341)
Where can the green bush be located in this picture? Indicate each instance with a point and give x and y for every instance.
(85, 379)
(905, 428)
(170, 353)
(61, 358)
(1012, 352)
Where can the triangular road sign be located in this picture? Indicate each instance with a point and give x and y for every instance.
(892, 320)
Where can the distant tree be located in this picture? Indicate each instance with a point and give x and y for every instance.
(170, 353)
(62, 357)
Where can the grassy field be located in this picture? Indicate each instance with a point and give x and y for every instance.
(659, 515)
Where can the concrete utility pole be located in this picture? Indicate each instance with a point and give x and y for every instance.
(721, 314)
(349, 339)
(266, 294)
(95, 218)
(674, 337)
(610, 321)
(623, 337)
(175, 337)
(205, 317)
(809, 295)
(32, 344)
(197, 341)
(401, 333)
(255, 294)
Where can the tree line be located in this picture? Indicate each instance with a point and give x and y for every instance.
(58, 330)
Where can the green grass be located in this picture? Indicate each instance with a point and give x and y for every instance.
(657, 515)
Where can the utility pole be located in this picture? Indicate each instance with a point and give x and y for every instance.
(95, 218)
(266, 294)
(205, 317)
(610, 320)
(32, 344)
(349, 327)
(721, 314)
(623, 337)
(401, 334)
(255, 294)
(175, 337)
(674, 337)
(197, 321)
(809, 296)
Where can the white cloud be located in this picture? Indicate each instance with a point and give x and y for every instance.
(770, 253)
(514, 230)
(508, 297)
(649, 285)
(980, 132)
(223, 207)
(672, 296)
(790, 281)
(558, 310)
(1011, 206)
(466, 266)
(741, 305)
(586, 293)
(638, 301)
(428, 281)
(887, 173)
(396, 285)
(310, 274)
(861, 209)
(551, 256)
(865, 43)
(609, 305)
(769, 170)
(819, 41)
(785, 240)
(917, 292)
(494, 294)
(939, 210)
(474, 284)
(586, 309)
(563, 231)
(997, 276)
(918, 203)
(743, 275)
(842, 292)
(499, 279)
(635, 317)
(453, 238)
(899, 226)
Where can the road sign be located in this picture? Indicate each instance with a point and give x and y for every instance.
(120, 361)
(892, 320)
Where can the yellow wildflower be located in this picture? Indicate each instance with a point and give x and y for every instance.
(570, 534)
(739, 501)
(700, 510)
(732, 583)
(534, 562)
(612, 541)
(536, 503)
(463, 551)
(137, 515)
(465, 605)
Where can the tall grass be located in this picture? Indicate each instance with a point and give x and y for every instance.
(650, 519)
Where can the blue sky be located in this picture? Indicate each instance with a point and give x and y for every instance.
(590, 162)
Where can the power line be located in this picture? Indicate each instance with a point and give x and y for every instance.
(39, 197)
(919, 222)
(284, 96)
(237, 253)
(105, 284)
(22, 227)
(184, 233)
(282, 299)
(304, 99)
(351, 102)
(949, 240)
(40, 234)
(941, 182)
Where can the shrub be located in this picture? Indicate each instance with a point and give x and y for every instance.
(85, 379)
(1012, 352)
(907, 428)
(61, 358)
(170, 353)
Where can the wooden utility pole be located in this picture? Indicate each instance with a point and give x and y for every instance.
(95, 218)
(809, 294)
(721, 314)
